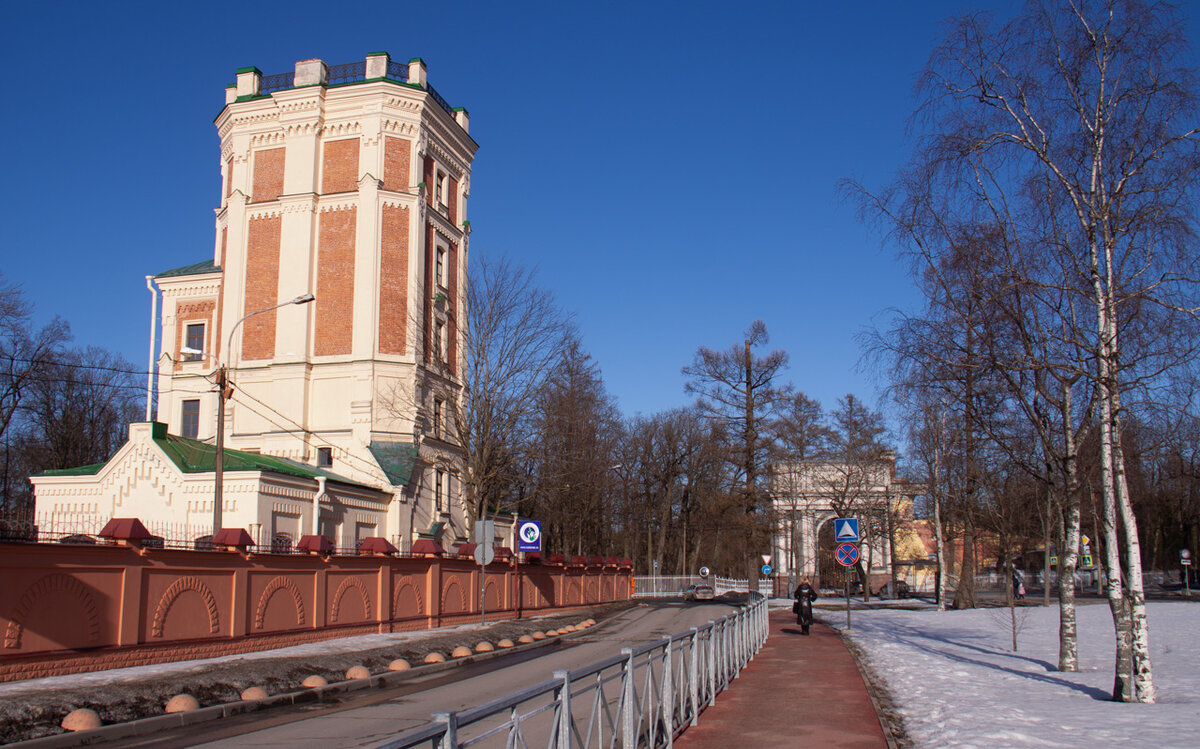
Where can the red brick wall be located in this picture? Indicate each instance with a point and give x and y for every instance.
(393, 281)
(396, 164)
(74, 609)
(428, 302)
(451, 308)
(268, 174)
(452, 201)
(262, 287)
(428, 178)
(335, 282)
(339, 169)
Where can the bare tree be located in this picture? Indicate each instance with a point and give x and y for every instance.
(25, 356)
(513, 335)
(1070, 132)
(737, 389)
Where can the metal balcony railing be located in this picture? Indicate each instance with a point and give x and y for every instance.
(644, 697)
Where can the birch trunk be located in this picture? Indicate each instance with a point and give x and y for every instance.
(1068, 555)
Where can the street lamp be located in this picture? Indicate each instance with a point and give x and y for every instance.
(224, 393)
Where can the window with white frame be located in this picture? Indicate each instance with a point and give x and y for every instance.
(194, 340)
(441, 190)
(439, 490)
(439, 268)
(324, 457)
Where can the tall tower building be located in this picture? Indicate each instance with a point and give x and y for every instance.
(348, 182)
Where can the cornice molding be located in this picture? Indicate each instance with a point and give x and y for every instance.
(259, 140)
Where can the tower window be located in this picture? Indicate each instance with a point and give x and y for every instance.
(439, 341)
(324, 457)
(438, 407)
(190, 426)
(194, 339)
(439, 490)
(439, 270)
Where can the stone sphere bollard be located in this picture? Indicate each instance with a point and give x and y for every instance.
(399, 665)
(181, 703)
(484, 647)
(435, 658)
(460, 652)
(358, 672)
(506, 643)
(82, 719)
(538, 635)
(314, 681)
(525, 639)
(254, 693)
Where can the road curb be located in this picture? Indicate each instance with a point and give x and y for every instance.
(158, 723)
(873, 688)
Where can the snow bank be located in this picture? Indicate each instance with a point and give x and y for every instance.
(957, 683)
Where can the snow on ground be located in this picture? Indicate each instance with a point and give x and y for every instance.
(957, 683)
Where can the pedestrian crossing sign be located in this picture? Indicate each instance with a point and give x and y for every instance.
(845, 530)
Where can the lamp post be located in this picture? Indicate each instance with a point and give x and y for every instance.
(224, 392)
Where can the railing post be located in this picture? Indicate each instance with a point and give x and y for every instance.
(564, 710)
(712, 662)
(449, 739)
(694, 676)
(628, 708)
(667, 698)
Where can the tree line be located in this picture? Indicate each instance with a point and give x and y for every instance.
(61, 406)
(1049, 213)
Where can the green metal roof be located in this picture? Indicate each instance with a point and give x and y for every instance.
(194, 269)
(91, 470)
(397, 460)
(194, 456)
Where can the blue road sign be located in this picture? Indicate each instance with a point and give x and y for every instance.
(766, 569)
(847, 554)
(529, 536)
(845, 530)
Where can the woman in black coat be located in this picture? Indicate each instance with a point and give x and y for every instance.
(802, 608)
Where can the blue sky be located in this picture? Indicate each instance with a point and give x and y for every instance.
(669, 168)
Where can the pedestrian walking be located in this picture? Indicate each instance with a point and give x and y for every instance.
(1018, 584)
(802, 608)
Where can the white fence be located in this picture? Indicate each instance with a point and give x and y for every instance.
(666, 586)
(644, 697)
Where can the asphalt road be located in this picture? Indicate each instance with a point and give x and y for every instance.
(370, 717)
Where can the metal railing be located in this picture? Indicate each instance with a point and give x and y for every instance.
(659, 586)
(644, 697)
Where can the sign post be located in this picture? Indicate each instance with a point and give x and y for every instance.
(847, 556)
(1185, 561)
(485, 535)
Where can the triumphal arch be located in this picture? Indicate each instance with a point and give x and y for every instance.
(807, 495)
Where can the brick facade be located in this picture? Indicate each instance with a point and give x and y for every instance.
(339, 168)
(397, 165)
(262, 287)
(268, 174)
(393, 281)
(335, 282)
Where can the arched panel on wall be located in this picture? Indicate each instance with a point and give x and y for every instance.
(591, 590)
(280, 615)
(339, 613)
(574, 592)
(538, 591)
(491, 595)
(60, 609)
(606, 588)
(454, 596)
(408, 599)
(186, 614)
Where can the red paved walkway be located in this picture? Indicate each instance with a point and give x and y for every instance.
(798, 691)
